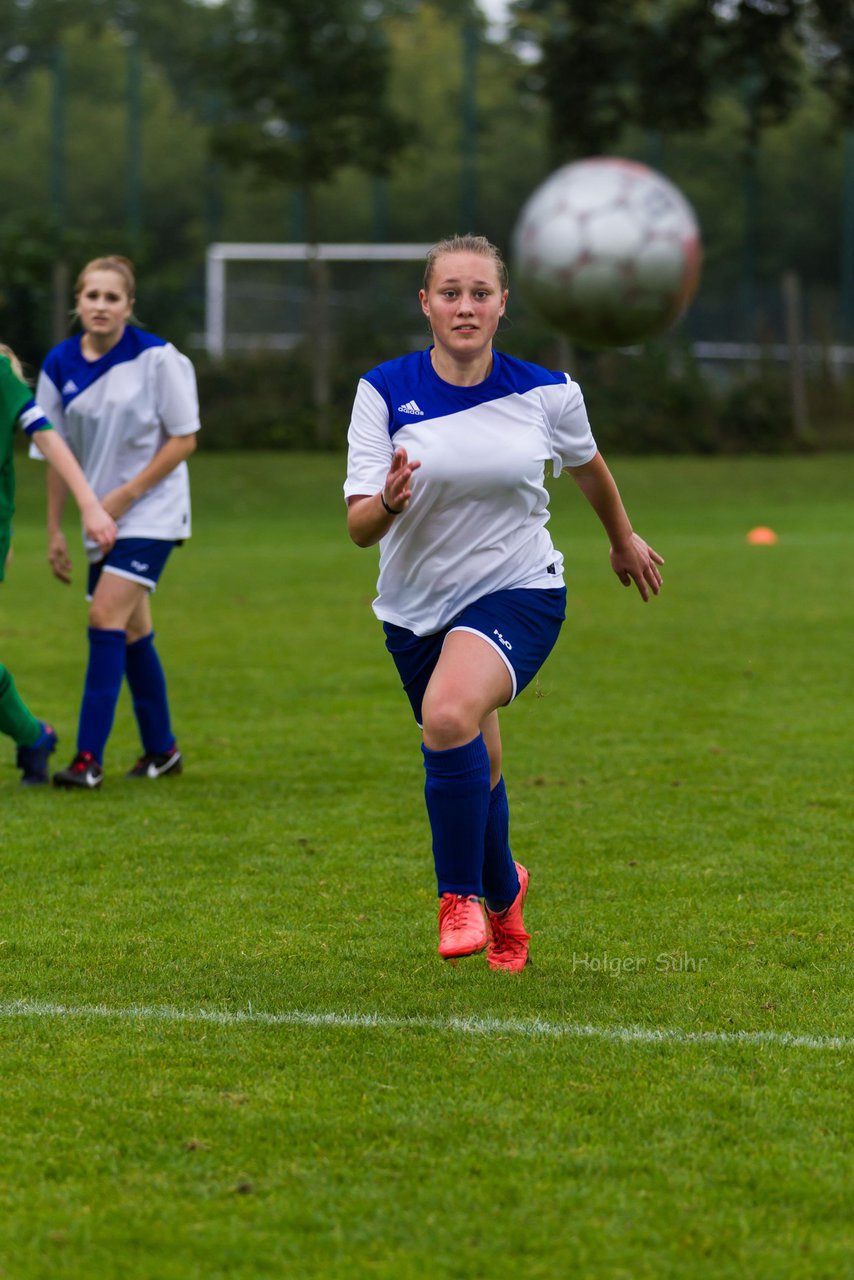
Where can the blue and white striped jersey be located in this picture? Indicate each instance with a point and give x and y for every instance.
(116, 413)
(479, 510)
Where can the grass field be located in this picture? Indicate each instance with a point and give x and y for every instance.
(229, 1047)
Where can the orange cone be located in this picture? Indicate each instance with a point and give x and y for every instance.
(762, 536)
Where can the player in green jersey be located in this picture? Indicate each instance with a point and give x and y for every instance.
(34, 738)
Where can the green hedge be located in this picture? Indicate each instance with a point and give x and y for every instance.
(256, 403)
(656, 401)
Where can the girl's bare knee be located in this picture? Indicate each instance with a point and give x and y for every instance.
(446, 724)
(99, 618)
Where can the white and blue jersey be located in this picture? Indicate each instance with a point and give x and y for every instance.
(116, 413)
(477, 520)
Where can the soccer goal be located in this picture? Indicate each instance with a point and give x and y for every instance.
(257, 296)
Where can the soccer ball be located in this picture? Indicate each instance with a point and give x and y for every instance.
(607, 251)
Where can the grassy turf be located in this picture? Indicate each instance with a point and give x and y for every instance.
(680, 784)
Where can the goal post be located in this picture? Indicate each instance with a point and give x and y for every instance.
(218, 257)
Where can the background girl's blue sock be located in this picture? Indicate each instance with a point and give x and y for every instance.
(500, 878)
(104, 676)
(456, 790)
(148, 690)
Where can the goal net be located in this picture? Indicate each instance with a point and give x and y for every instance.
(258, 297)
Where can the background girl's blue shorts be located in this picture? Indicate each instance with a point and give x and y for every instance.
(521, 625)
(139, 559)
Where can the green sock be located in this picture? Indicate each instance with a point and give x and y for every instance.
(16, 720)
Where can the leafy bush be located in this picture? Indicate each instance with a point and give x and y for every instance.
(656, 401)
(756, 415)
(256, 402)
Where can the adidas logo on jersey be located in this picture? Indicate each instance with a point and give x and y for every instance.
(411, 407)
(70, 387)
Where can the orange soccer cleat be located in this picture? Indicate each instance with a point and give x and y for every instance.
(462, 928)
(508, 941)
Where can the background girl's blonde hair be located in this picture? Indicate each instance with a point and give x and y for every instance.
(111, 262)
(13, 361)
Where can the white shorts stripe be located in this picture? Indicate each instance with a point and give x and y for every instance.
(497, 647)
(131, 577)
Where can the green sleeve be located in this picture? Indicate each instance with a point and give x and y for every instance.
(14, 395)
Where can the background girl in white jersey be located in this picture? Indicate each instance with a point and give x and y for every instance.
(127, 404)
(446, 471)
(34, 738)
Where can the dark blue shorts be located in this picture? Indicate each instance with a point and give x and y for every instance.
(139, 559)
(522, 626)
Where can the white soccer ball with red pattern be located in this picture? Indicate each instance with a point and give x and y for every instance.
(608, 252)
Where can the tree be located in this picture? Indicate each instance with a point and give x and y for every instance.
(607, 64)
(428, 80)
(173, 32)
(834, 23)
(305, 88)
(65, 194)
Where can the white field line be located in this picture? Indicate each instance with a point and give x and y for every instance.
(533, 1028)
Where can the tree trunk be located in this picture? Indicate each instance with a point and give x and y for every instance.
(319, 331)
(60, 288)
(795, 343)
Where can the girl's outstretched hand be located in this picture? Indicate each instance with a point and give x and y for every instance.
(638, 563)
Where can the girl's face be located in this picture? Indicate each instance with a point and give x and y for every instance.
(103, 305)
(464, 303)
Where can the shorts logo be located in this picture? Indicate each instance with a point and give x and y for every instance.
(138, 565)
(501, 640)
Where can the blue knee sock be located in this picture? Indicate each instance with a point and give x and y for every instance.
(500, 878)
(104, 676)
(148, 690)
(456, 790)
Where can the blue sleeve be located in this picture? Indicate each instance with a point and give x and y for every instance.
(32, 419)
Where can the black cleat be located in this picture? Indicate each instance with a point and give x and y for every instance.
(33, 760)
(84, 771)
(157, 764)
